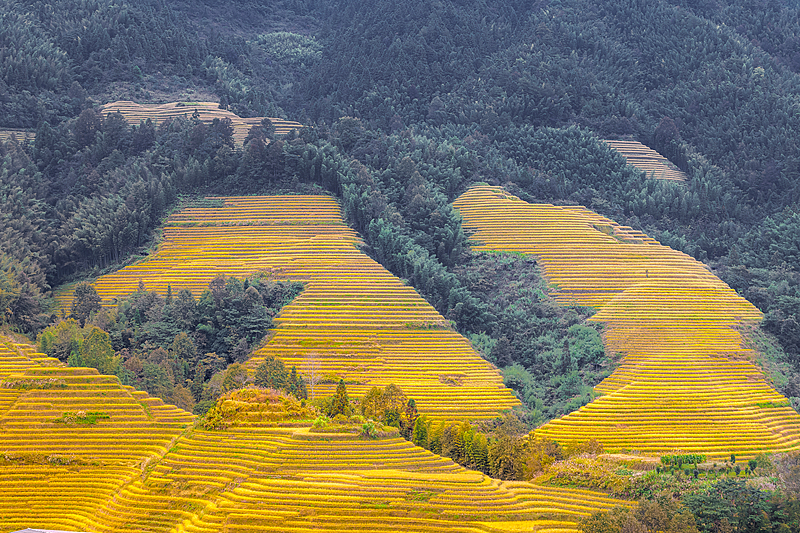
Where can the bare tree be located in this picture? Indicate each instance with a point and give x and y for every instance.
(312, 372)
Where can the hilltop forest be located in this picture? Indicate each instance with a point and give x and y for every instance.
(405, 104)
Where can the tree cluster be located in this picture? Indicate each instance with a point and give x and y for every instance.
(179, 348)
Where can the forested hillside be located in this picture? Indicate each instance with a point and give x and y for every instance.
(408, 103)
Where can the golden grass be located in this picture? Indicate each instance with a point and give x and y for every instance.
(647, 160)
(22, 136)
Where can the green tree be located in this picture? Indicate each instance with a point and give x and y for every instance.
(271, 373)
(85, 301)
(61, 340)
(435, 438)
(341, 403)
(235, 377)
(96, 352)
(183, 353)
(599, 522)
(420, 435)
(480, 453)
(296, 385)
(410, 419)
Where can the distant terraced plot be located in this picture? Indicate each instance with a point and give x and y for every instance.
(143, 469)
(647, 160)
(354, 321)
(22, 136)
(207, 112)
(685, 381)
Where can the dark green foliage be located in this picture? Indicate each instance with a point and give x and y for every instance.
(272, 374)
(420, 435)
(340, 405)
(228, 312)
(662, 514)
(296, 385)
(745, 508)
(85, 302)
(176, 347)
(549, 356)
(682, 459)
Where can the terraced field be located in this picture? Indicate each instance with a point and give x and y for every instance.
(685, 380)
(148, 468)
(207, 112)
(647, 160)
(22, 136)
(58, 473)
(354, 320)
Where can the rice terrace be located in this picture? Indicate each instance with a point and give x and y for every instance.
(452, 266)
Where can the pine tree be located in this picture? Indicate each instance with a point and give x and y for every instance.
(341, 403)
(297, 385)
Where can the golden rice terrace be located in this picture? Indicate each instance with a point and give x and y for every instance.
(206, 112)
(647, 160)
(354, 321)
(140, 465)
(685, 380)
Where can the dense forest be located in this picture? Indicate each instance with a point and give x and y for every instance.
(407, 104)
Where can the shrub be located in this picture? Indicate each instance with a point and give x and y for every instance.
(320, 422)
(253, 405)
(682, 459)
(81, 417)
(368, 429)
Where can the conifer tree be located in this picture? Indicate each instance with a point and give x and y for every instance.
(420, 436)
(297, 385)
(341, 403)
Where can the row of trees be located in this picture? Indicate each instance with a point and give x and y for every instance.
(503, 450)
(725, 506)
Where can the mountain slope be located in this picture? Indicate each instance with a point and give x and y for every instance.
(266, 473)
(354, 321)
(684, 381)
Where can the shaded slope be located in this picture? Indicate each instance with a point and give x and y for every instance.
(685, 381)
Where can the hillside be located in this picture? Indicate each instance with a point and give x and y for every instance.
(265, 474)
(612, 312)
(685, 381)
(354, 321)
